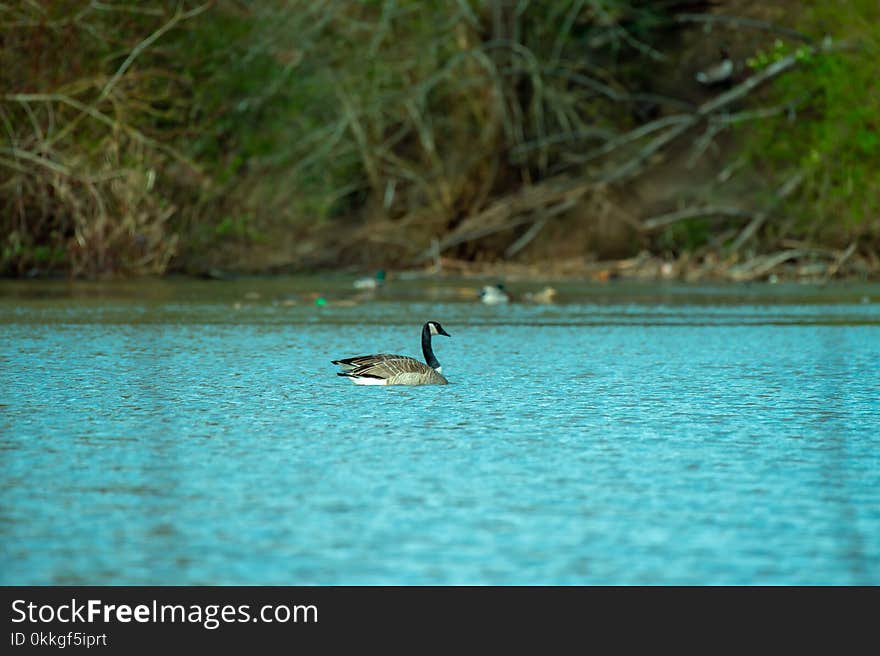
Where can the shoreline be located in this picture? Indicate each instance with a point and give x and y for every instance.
(792, 265)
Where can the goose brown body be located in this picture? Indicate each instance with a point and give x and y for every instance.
(392, 369)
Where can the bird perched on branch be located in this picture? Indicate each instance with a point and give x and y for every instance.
(720, 73)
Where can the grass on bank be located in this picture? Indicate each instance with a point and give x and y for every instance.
(833, 141)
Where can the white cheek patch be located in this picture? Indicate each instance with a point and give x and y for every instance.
(433, 329)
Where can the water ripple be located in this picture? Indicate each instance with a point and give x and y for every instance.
(170, 441)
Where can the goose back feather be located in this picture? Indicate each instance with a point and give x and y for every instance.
(393, 370)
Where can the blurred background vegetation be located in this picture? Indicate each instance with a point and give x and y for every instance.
(284, 135)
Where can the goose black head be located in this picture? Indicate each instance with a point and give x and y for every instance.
(435, 328)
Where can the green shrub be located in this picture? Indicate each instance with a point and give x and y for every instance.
(832, 136)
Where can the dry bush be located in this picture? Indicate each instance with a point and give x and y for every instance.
(82, 187)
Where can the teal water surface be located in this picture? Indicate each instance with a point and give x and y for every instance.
(196, 433)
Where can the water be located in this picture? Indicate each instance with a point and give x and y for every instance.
(195, 433)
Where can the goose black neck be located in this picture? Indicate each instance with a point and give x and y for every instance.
(427, 351)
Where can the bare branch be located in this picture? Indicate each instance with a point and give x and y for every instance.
(749, 231)
(760, 218)
(179, 16)
(136, 51)
(89, 110)
(536, 227)
(131, 9)
(664, 220)
(530, 204)
(620, 96)
(758, 266)
(633, 135)
(739, 21)
(775, 69)
(634, 164)
(839, 262)
(20, 153)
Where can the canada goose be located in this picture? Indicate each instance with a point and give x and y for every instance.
(494, 294)
(387, 369)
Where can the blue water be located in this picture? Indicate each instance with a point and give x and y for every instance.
(196, 434)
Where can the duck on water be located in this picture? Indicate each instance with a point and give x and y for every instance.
(389, 369)
(494, 294)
